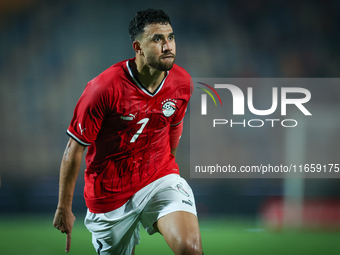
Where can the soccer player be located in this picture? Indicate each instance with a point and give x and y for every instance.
(131, 117)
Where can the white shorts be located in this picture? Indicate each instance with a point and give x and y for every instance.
(117, 232)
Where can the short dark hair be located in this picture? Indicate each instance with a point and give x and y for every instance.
(144, 18)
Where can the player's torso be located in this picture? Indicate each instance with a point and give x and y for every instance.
(139, 120)
(132, 147)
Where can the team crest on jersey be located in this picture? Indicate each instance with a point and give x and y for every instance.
(169, 107)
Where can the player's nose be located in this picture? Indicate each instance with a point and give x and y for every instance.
(167, 46)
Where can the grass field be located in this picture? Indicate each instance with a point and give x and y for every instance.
(36, 235)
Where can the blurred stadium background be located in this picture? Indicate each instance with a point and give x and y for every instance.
(50, 49)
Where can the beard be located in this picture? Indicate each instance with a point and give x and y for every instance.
(160, 64)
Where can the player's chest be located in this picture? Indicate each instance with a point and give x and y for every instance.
(135, 109)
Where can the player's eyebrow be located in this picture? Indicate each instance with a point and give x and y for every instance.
(162, 35)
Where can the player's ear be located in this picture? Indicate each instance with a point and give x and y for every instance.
(137, 47)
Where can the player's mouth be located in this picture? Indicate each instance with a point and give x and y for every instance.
(169, 56)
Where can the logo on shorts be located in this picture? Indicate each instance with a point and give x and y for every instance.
(169, 107)
(180, 189)
(187, 202)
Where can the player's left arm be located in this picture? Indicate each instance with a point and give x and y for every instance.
(176, 128)
(175, 134)
(174, 151)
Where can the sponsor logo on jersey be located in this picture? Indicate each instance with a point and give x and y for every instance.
(183, 191)
(169, 107)
(129, 117)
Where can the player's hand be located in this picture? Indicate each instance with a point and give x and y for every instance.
(63, 220)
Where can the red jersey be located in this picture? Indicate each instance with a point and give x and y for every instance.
(127, 130)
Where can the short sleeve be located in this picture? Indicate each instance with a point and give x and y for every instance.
(88, 114)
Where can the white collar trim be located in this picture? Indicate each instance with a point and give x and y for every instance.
(142, 87)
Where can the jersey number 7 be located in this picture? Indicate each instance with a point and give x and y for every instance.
(143, 122)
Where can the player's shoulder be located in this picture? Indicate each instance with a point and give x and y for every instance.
(111, 74)
(180, 73)
(105, 81)
(180, 77)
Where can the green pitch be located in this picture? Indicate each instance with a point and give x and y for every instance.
(36, 235)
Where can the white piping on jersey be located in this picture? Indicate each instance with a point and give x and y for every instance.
(173, 125)
(141, 86)
(75, 138)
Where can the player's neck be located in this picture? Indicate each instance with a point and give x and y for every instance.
(148, 76)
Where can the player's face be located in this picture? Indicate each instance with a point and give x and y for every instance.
(158, 45)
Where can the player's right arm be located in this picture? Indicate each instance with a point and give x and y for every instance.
(69, 170)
